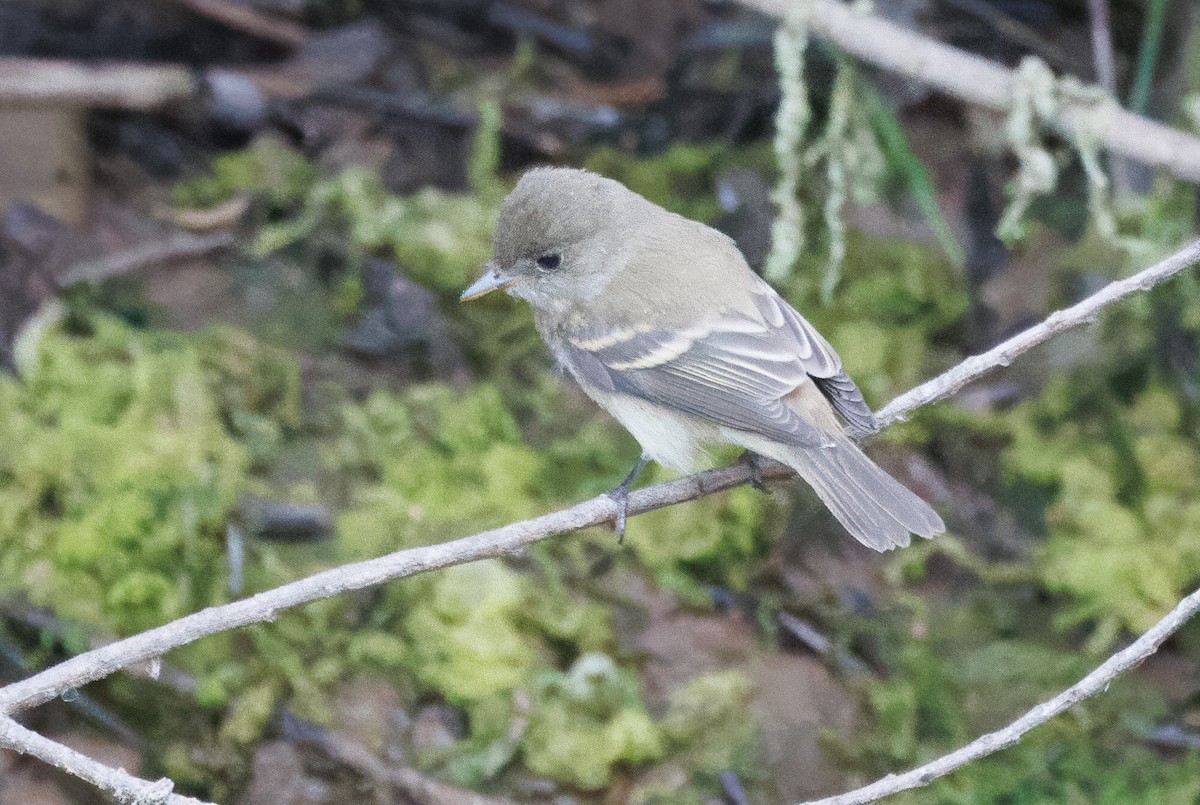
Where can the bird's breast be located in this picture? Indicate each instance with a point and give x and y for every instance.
(673, 440)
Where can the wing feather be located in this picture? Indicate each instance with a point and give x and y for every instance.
(823, 365)
(734, 370)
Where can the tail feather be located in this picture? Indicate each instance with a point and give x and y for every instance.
(874, 507)
(866, 523)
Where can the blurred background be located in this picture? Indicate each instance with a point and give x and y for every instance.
(232, 237)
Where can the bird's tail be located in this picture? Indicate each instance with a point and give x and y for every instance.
(872, 505)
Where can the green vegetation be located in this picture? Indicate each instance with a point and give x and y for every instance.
(127, 451)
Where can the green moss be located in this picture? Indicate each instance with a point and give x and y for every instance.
(120, 473)
(958, 683)
(442, 239)
(249, 714)
(1121, 524)
(712, 536)
(126, 451)
(462, 637)
(709, 728)
(587, 720)
(279, 175)
(680, 179)
(421, 452)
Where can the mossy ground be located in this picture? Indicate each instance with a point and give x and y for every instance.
(127, 451)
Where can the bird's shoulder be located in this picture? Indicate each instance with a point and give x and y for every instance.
(673, 272)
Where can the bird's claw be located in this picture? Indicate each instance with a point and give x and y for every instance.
(753, 462)
(620, 496)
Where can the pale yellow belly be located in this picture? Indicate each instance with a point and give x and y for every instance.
(673, 440)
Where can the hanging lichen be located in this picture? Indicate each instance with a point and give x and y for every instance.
(820, 167)
(824, 165)
(1038, 102)
(791, 123)
(854, 164)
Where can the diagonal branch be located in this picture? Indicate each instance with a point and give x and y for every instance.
(243, 17)
(1006, 352)
(117, 782)
(264, 606)
(982, 82)
(1095, 682)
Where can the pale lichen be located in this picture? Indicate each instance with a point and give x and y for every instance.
(841, 159)
(1038, 102)
(791, 124)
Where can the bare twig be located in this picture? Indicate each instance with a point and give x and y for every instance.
(151, 645)
(146, 255)
(50, 625)
(101, 662)
(117, 86)
(117, 782)
(731, 788)
(222, 216)
(415, 786)
(1095, 682)
(1020, 33)
(1005, 353)
(249, 21)
(1102, 47)
(984, 83)
(1106, 74)
(807, 635)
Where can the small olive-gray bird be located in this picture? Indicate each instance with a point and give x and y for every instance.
(664, 325)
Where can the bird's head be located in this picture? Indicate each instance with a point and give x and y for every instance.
(556, 231)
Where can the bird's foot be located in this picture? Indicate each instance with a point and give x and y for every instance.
(754, 462)
(620, 496)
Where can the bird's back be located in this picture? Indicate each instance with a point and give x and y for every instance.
(676, 267)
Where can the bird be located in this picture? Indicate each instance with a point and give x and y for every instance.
(664, 325)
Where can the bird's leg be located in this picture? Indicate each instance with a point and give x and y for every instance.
(620, 495)
(754, 462)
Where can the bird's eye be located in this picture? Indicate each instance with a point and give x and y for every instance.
(549, 261)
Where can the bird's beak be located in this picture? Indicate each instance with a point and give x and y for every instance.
(493, 279)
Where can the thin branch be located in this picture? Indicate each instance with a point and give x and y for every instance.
(116, 782)
(247, 20)
(1102, 47)
(52, 82)
(1005, 353)
(178, 246)
(50, 625)
(498, 542)
(417, 788)
(1020, 33)
(1106, 74)
(981, 82)
(1095, 682)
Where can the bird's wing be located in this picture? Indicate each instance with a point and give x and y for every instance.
(733, 370)
(823, 366)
